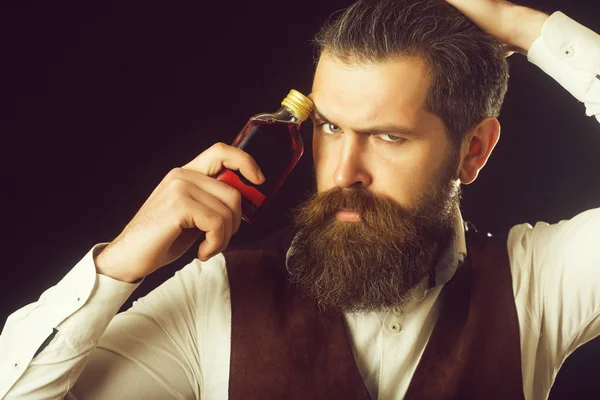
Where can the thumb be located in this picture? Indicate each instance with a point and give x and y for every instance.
(510, 50)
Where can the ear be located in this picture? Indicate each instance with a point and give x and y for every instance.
(477, 148)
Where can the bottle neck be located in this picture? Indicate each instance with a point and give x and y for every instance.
(285, 114)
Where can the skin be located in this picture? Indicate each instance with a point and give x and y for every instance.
(353, 99)
(379, 98)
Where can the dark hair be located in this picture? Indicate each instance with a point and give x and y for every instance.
(470, 71)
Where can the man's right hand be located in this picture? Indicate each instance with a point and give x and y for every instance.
(187, 201)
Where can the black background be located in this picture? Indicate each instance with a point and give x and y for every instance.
(100, 99)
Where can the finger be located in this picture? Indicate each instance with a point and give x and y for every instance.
(207, 220)
(202, 197)
(211, 161)
(227, 195)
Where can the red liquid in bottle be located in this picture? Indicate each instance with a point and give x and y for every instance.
(274, 141)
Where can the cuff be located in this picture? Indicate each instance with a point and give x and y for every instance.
(80, 307)
(103, 303)
(83, 296)
(568, 52)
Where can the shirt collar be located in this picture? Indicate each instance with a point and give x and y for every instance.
(454, 255)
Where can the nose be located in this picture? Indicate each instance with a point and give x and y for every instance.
(351, 170)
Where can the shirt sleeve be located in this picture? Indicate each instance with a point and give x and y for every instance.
(556, 282)
(570, 53)
(173, 343)
(151, 350)
(45, 343)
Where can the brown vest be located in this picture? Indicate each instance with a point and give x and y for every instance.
(282, 347)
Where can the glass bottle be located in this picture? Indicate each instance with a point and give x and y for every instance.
(274, 141)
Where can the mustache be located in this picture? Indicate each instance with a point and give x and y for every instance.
(375, 209)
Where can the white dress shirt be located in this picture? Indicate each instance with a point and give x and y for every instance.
(175, 342)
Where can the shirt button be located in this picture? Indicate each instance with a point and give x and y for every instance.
(395, 327)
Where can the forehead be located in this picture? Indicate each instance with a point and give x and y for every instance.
(391, 90)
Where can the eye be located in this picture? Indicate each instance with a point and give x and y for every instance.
(394, 139)
(330, 128)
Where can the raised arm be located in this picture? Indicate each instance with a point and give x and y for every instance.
(561, 47)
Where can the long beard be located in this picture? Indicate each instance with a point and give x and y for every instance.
(372, 264)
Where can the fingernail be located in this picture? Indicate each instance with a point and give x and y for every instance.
(261, 176)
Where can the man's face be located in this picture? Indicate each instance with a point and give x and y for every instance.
(376, 151)
(357, 100)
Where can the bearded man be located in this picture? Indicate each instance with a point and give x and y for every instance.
(377, 290)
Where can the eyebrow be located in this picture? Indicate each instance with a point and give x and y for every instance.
(374, 130)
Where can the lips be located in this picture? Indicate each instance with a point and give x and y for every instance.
(348, 216)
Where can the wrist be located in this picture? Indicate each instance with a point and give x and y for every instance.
(526, 27)
(105, 266)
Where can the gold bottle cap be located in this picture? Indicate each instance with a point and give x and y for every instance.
(300, 105)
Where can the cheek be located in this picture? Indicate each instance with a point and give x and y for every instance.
(401, 183)
(407, 176)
